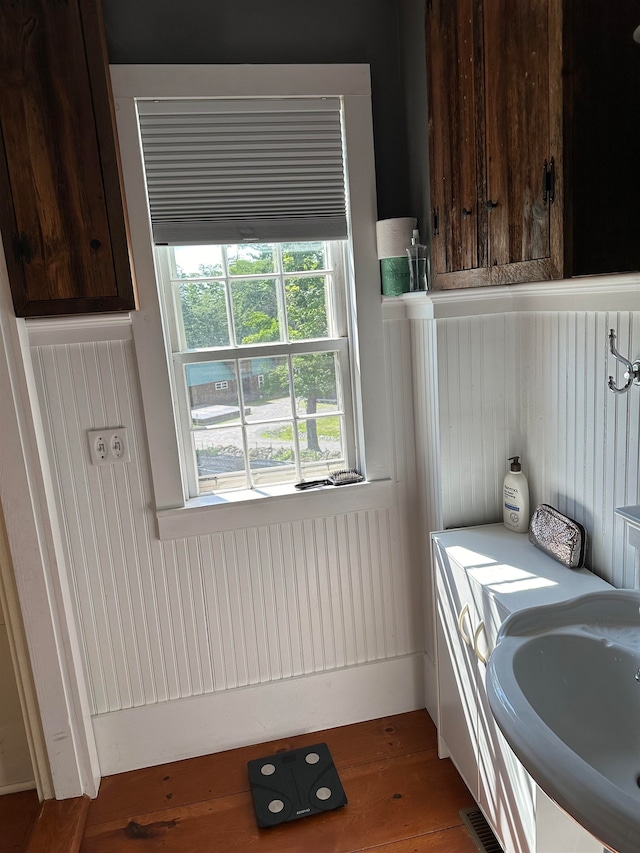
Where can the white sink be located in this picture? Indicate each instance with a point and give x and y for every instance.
(562, 686)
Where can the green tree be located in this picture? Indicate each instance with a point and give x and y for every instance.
(204, 314)
(257, 315)
(314, 375)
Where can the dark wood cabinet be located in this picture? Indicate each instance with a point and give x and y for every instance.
(524, 102)
(61, 207)
(492, 70)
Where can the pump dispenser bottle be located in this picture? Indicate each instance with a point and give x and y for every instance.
(417, 253)
(515, 498)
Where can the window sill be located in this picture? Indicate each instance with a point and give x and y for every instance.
(275, 505)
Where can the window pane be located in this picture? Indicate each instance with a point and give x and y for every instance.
(299, 257)
(213, 393)
(321, 445)
(204, 314)
(271, 453)
(198, 261)
(306, 307)
(220, 459)
(248, 426)
(256, 312)
(251, 259)
(265, 388)
(315, 383)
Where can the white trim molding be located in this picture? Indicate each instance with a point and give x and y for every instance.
(132, 83)
(10, 609)
(137, 737)
(592, 293)
(89, 328)
(242, 509)
(37, 554)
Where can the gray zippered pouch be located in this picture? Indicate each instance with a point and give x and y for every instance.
(558, 536)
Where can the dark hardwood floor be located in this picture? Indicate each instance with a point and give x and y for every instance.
(402, 799)
(18, 813)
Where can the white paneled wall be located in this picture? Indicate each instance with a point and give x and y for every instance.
(175, 619)
(264, 605)
(478, 403)
(535, 384)
(579, 439)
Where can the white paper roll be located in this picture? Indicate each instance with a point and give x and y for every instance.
(394, 235)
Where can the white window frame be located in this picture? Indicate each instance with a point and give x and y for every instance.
(336, 342)
(352, 84)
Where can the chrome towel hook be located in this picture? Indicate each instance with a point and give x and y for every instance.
(632, 371)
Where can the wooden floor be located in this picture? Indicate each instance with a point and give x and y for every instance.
(18, 813)
(402, 799)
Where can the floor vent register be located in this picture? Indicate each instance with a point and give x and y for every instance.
(480, 831)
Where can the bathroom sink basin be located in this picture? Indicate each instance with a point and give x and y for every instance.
(562, 686)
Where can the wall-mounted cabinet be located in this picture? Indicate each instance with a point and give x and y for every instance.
(61, 206)
(493, 69)
(520, 120)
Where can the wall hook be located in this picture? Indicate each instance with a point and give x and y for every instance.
(632, 371)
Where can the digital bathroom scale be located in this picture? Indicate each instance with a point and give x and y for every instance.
(295, 784)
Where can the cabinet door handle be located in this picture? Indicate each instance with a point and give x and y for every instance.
(479, 630)
(491, 204)
(464, 612)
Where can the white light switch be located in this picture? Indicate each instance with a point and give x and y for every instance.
(109, 446)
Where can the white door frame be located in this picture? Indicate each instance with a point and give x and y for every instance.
(36, 551)
(10, 608)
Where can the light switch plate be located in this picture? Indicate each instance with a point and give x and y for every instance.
(109, 446)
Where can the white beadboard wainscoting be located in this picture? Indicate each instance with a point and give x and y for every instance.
(498, 372)
(533, 383)
(580, 441)
(324, 611)
(318, 618)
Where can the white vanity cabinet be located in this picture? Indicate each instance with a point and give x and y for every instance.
(481, 575)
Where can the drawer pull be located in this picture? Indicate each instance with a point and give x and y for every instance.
(480, 630)
(464, 612)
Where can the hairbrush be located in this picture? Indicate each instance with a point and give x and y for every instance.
(336, 478)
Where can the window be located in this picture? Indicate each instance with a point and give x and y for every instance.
(219, 168)
(261, 362)
(175, 373)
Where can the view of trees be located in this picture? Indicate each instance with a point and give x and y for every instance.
(257, 316)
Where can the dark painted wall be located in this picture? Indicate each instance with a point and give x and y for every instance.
(286, 31)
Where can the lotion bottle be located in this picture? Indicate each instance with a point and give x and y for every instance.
(515, 498)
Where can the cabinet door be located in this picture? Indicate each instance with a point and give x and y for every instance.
(61, 209)
(506, 792)
(456, 136)
(522, 43)
(457, 709)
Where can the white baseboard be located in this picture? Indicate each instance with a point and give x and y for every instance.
(17, 787)
(184, 728)
(430, 688)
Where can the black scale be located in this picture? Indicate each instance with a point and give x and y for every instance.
(295, 784)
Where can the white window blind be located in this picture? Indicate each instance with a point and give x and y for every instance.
(226, 170)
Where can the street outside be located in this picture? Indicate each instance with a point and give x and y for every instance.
(228, 436)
